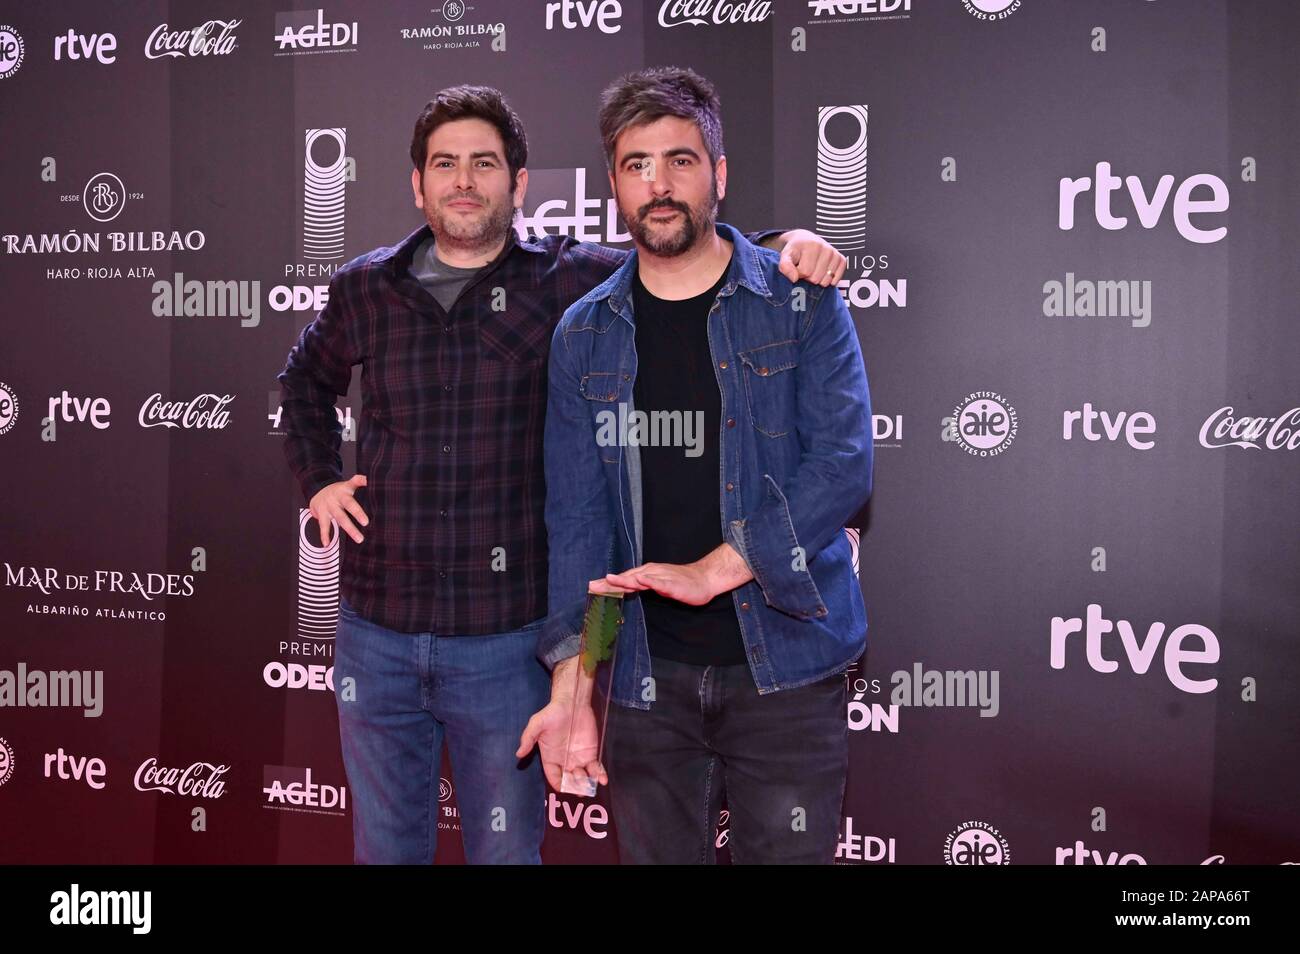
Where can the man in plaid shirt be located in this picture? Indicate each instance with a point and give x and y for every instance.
(445, 588)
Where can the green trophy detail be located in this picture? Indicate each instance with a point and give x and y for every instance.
(600, 626)
(600, 630)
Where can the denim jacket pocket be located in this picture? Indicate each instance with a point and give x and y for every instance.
(601, 388)
(769, 387)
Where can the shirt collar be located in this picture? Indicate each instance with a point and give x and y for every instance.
(399, 257)
(746, 269)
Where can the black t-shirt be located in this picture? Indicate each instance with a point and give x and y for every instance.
(682, 512)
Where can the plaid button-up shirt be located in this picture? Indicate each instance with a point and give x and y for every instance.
(453, 406)
(450, 431)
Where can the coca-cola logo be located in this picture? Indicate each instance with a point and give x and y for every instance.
(202, 40)
(205, 411)
(200, 780)
(1221, 429)
(676, 12)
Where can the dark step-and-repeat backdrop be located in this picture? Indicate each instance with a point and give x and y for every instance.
(1071, 229)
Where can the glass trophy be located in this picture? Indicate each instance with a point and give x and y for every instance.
(593, 678)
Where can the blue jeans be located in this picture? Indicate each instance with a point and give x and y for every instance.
(781, 760)
(409, 691)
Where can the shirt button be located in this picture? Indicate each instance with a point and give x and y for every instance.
(446, 387)
(762, 371)
(442, 512)
(627, 377)
(722, 365)
(730, 485)
(446, 329)
(744, 606)
(446, 448)
(731, 422)
(443, 574)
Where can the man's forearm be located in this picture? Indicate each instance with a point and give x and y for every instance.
(570, 682)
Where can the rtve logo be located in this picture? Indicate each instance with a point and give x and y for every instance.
(75, 46)
(1139, 655)
(603, 13)
(1132, 425)
(72, 409)
(1148, 209)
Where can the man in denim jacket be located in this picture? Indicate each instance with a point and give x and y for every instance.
(728, 672)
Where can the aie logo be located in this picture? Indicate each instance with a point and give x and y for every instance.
(104, 197)
(11, 51)
(8, 408)
(991, 9)
(6, 761)
(976, 843)
(984, 424)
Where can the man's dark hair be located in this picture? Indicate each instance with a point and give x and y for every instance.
(471, 102)
(640, 98)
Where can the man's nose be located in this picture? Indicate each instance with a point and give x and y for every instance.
(660, 187)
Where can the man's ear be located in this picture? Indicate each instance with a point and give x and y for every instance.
(521, 187)
(721, 172)
(415, 187)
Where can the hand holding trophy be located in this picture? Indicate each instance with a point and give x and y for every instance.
(570, 731)
(600, 628)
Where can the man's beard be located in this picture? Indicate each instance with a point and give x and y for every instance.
(696, 221)
(449, 229)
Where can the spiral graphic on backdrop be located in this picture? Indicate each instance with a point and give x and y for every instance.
(323, 194)
(855, 536)
(318, 582)
(842, 182)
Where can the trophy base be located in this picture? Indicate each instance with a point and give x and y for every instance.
(578, 785)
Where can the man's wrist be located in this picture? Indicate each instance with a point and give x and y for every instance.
(564, 680)
(724, 570)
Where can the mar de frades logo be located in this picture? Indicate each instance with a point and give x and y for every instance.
(11, 51)
(984, 424)
(104, 197)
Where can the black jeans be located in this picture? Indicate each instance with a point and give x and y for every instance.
(781, 760)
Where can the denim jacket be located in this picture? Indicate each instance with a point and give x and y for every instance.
(796, 462)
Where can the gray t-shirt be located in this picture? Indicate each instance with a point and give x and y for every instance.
(444, 282)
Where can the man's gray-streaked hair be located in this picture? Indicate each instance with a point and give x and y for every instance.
(639, 98)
